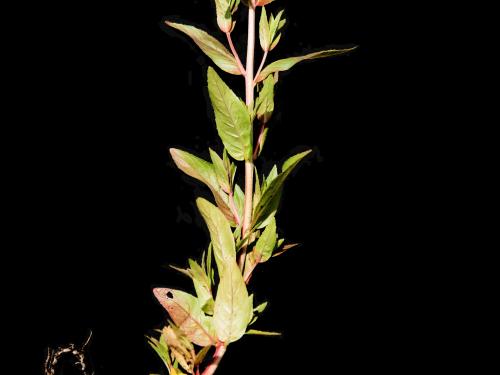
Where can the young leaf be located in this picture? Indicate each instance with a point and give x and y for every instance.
(268, 204)
(202, 286)
(211, 47)
(264, 35)
(186, 312)
(285, 64)
(225, 9)
(257, 311)
(233, 307)
(220, 233)
(267, 242)
(268, 30)
(262, 333)
(265, 101)
(231, 117)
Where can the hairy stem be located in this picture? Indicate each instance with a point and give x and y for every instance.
(235, 53)
(219, 353)
(249, 91)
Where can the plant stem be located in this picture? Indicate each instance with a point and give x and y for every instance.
(264, 57)
(235, 53)
(219, 353)
(249, 91)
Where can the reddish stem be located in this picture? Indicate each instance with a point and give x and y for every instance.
(219, 353)
(235, 53)
(260, 67)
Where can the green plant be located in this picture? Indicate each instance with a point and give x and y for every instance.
(242, 222)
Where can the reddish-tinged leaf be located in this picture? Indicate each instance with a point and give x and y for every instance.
(186, 312)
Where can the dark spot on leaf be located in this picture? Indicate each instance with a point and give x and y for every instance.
(170, 295)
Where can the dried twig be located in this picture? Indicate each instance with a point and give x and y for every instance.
(54, 355)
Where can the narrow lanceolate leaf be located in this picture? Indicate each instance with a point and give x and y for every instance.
(262, 333)
(264, 105)
(285, 64)
(211, 47)
(268, 204)
(232, 118)
(267, 242)
(194, 166)
(205, 172)
(233, 308)
(285, 249)
(220, 234)
(161, 348)
(186, 312)
(220, 171)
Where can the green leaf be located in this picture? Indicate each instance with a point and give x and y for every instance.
(210, 46)
(186, 312)
(202, 286)
(262, 333)
(194, 166)
(239, 199)
(257, 311)
(233, 307)
(285, 64)
(220, 171)
(264, 35)
(265, 101)
(232, 118)
(161, 348)
(272, 175)
(267, 242)
(203, 171)
(268, 204)
(256, 194)
(220, 234)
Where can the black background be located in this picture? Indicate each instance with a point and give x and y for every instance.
(103, 210)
